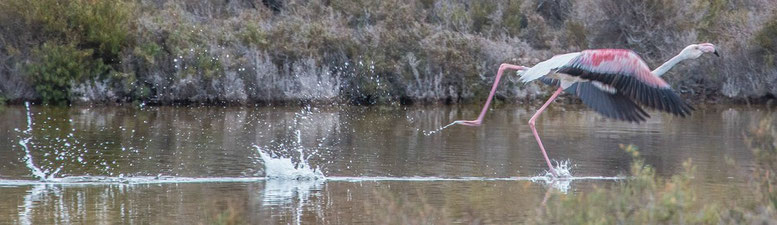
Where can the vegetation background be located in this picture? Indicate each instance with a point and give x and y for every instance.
(362, 51)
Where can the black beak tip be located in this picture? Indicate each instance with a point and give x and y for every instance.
(716, 53)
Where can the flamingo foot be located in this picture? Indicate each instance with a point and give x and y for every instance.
(472, 123)
(477, 122)
(560, 171)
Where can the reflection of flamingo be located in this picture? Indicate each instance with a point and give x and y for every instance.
(613, 82)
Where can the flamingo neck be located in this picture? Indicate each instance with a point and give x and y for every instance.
(669, 64)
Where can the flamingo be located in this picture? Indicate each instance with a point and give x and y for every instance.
(613, 82)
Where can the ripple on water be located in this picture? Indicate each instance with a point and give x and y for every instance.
(284, 175)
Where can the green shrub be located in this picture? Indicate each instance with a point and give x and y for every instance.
(103, 25)
(100, 25)
(148, 52)
(56, 67)
(766, 39)
(357, 11)
(576, 34)
(453, 16)
(253, 35)
(74, 40)
(480, 12)
(711, 18)
(190, 44)
(512, 18)
(206, 65)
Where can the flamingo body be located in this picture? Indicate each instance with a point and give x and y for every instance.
(613, 82)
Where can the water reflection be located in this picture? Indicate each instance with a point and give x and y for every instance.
(281, 192)
(284, 193)
(33, 195)
(297, 202)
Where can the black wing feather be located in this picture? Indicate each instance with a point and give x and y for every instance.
(663, 99)
(612, 105)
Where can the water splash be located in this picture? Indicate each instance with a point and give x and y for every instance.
(438, 130)
(287, 180)
(563, 170)
(564, 180)
(284, 168)
(24, 143)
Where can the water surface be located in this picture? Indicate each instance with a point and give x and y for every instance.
(199, 165)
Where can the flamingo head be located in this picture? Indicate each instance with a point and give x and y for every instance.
(696, 50)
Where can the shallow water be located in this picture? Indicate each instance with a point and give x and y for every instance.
(199, 165)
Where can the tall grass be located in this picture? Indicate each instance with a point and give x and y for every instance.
(647, 199)
(762, 139)
(642, 199)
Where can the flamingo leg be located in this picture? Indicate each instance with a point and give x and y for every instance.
(534, 131)
(479, 120)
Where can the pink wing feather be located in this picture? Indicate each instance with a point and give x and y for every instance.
(618, 61)
(625, 71)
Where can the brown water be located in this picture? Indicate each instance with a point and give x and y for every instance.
(198, 165)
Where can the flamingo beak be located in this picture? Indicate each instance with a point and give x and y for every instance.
(716, 53)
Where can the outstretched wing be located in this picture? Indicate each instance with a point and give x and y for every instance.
(614, 105)
(609, 103)
(625, 71)
(545, 67)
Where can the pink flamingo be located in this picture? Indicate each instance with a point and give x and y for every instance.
(613, 82)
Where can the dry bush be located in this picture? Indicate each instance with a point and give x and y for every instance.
(384, 52)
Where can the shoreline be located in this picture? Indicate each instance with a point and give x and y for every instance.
(562, 100)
